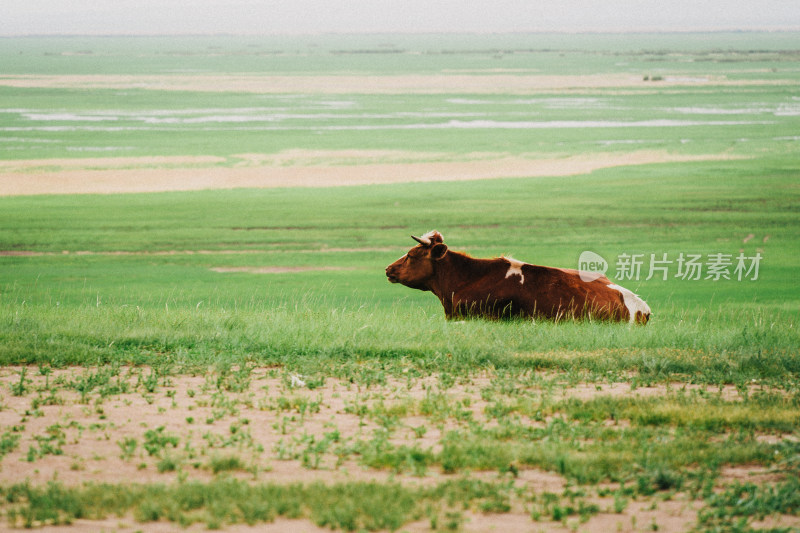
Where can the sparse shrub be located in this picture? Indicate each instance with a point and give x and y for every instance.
(128, 446)
(155, 441)
(225, 463)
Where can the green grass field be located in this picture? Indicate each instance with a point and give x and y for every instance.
(290, 281)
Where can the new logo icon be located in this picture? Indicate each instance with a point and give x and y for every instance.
(591, 266)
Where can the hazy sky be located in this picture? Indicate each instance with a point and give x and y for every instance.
(20, 17)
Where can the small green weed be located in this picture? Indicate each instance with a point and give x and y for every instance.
(156, 441)
(128, 446)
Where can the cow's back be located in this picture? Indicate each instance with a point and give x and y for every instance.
(562, 293)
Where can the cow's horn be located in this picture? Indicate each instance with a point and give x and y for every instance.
(423, 242)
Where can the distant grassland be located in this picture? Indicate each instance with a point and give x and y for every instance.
(681, 110)
(383, 54)
(73, 123)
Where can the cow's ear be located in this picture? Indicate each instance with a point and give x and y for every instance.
(438, 251)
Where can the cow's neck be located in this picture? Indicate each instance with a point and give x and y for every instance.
(454, 271)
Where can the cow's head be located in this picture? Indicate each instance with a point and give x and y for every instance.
(416, 268)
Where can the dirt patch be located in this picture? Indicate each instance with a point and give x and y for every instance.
(323, 250)
(28, 253)
(590, 391)
(749, 474)
(21, 253)
(128, 524)
(485, 82)
(137, 426)
(672, 516)
(107, 163)
(298, 157)
(777, 523)
(76, 437)
(265, 408)
(39, 177)
(275, 269)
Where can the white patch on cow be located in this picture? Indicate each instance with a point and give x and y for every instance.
(515, 269)
(632, 302)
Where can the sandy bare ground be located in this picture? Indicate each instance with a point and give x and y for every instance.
(484, 83)
(274, 269)
(264, 421)
(250, 269)
(298, 169)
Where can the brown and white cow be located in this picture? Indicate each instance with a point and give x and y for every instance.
(504, 287)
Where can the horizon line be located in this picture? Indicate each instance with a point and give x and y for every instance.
(787, 29)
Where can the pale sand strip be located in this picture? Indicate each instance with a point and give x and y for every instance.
(136, 180)
(106, 163)
(360, 84)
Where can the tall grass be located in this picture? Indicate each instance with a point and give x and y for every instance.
(731, 347)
